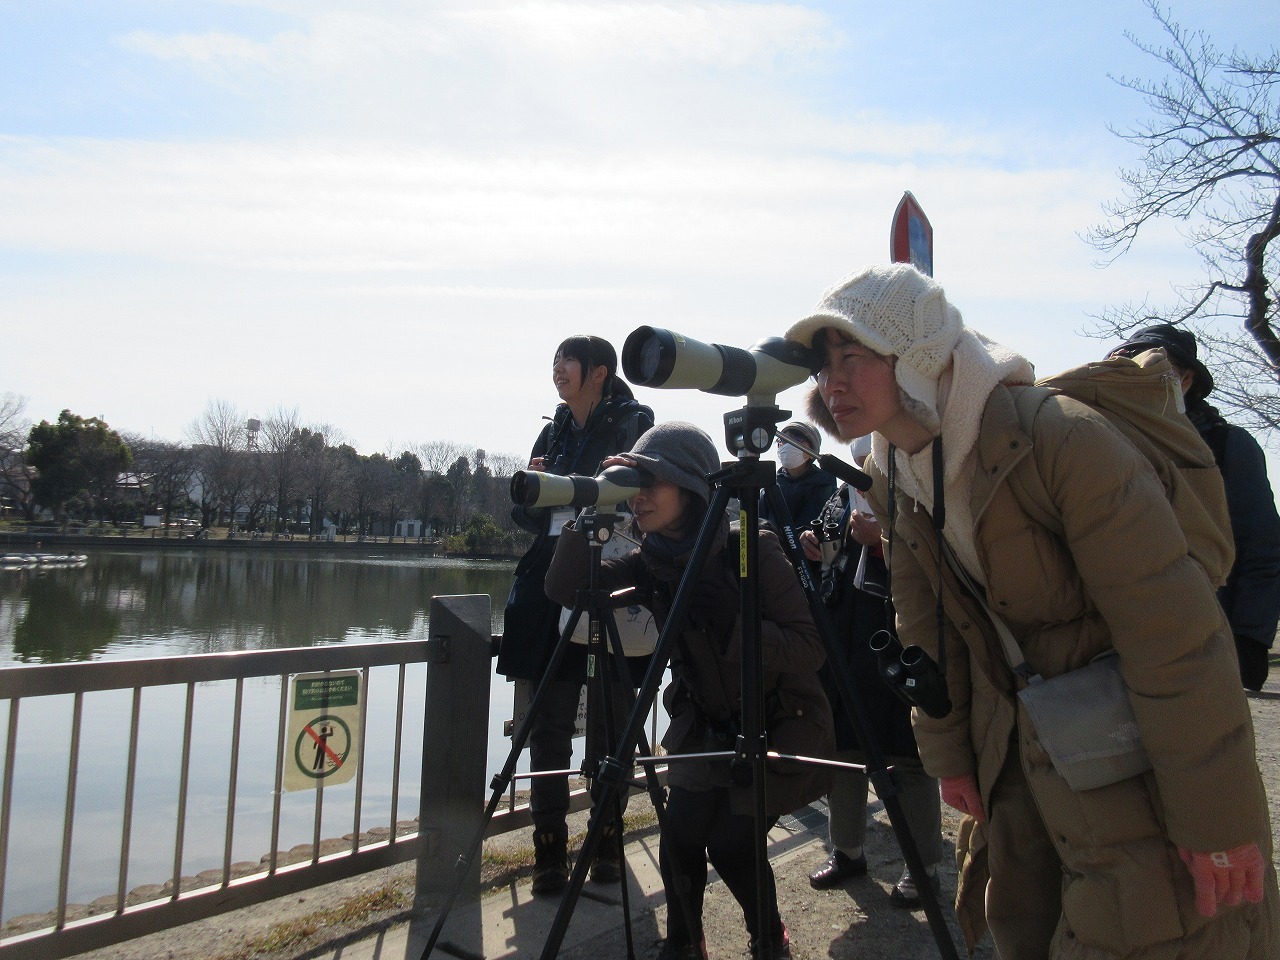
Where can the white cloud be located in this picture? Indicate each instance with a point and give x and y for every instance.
(425, 198)
(199, 48)
(711, 34)
(521, 72)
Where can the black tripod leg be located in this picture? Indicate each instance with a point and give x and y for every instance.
(601, 675)
(610, 770)
(652, 783)
(880, 776)
(658, 799)
(502, 780)
(752, 746)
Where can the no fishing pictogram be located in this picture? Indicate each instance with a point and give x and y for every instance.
(324, 724)
(314, 751)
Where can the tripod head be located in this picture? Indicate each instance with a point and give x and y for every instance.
(598, 523)
(751, 430)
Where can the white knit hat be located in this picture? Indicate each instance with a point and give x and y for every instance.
(896, 311)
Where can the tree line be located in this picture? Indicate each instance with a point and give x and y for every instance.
(271, 476)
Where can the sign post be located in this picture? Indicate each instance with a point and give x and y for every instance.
(911, 236)
(324, 726)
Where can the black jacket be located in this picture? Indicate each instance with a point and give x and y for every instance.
(704, 698)
(613, 427)
(1251, 595)
(804, 495)
(857, 616)
(531, 623)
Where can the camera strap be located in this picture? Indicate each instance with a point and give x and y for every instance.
(938, 517)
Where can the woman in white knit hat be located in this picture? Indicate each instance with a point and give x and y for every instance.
(1172, 863)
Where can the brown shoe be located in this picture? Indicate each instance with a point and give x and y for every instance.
(837, 868)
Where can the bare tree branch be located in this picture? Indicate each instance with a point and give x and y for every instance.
(1211, 164)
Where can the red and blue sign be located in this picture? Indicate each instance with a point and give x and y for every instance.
(911, 236)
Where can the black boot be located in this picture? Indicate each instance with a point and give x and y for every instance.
(606, 867)
(550, 860)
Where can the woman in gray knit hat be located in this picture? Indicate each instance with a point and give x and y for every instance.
(1174, 863)
(708, 816)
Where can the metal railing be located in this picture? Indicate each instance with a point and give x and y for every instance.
(457, 655)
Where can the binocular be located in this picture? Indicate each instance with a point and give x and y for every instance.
(828, 534)
(912, 674)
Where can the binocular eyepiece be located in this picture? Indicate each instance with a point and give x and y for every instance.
(912, 674)
(828, 534)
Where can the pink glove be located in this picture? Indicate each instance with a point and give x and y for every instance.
(962, 794)
(1224, 878)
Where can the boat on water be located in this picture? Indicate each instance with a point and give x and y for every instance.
(24, 561)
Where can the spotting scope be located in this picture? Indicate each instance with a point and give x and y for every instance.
(532, 488)
(661, 358)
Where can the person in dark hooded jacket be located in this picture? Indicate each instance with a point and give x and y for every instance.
(708, 815)
(854, 583)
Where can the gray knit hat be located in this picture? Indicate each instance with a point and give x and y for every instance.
(806, 433)
(681, 453)
(895, 310)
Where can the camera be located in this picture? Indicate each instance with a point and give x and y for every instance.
(660, 358)
(911, 673)
(532, 488)
(833, 560)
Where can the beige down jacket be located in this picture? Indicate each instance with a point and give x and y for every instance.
(1118, 576)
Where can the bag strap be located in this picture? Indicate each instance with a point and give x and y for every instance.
(1026, 477)
(1012, 652)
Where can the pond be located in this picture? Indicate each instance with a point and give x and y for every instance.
(127, 604)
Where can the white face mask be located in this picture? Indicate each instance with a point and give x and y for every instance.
(792, 458)
(860, 449)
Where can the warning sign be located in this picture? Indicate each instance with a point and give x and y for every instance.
(324, 726)
(523, 697)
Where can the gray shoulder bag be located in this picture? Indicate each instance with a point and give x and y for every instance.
(1083, 718)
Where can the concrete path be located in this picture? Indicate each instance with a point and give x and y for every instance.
(511, 922)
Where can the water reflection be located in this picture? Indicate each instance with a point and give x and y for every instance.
(132, 604)
(65, 615)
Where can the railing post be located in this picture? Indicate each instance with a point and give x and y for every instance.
(455, 744)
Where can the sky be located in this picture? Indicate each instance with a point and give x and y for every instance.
(385, 215)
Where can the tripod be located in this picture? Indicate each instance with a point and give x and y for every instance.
(750, 432)
(598, 527)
